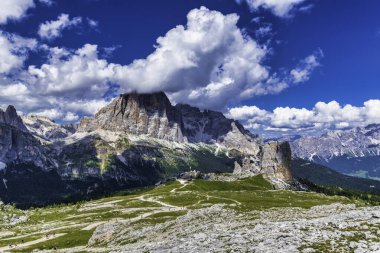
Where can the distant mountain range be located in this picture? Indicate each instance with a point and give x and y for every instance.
(354, 152)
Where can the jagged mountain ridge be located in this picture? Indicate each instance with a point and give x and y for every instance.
(153, 115)
(137, 140)
(351, 151)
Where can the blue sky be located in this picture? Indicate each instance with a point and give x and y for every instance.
(279, 66)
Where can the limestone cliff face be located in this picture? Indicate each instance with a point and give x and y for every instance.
(213, 127)
(18, 145)
(46, 128)
(10, 117)
(151, 115)
(274, 159)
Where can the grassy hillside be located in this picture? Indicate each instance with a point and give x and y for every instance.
(322, 175)
(106, 169)
(69, 226)
(365, 167)
(324, 180)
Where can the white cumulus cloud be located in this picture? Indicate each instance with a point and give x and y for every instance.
(208, 63)
(321, 117)
(80, 74)
(281, 8)
(14, 9)
(70, 84)
(13, 51)
(302, 73)
(53, 29)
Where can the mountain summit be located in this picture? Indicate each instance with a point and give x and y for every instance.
(139, 114)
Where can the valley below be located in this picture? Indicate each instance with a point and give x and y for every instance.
(244, 215)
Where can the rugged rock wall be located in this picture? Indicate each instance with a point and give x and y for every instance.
(17, 146)
(213, 127)
(10, 117)
(148, 114)
(46, 128)
(274, 159)
(152, 115)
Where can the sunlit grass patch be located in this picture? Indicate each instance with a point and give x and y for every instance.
(72, 238)
(161, 217)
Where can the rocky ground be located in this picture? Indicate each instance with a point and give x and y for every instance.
(197, 216)
(332, 228)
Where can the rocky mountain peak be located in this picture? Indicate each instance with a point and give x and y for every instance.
(131, 104)
(10, 117)
(153, 115)
(213, 127)
(138, 114)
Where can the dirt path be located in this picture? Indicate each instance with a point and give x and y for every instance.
(165, 206)
(215, 197)
(152, 200)
(43, 231)
(6, 233)
(183, 183)
(165, 209)
(93, 225)
(27, 244)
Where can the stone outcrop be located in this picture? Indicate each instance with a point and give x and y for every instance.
(18, 145)
(71, 128)
(274, 159)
